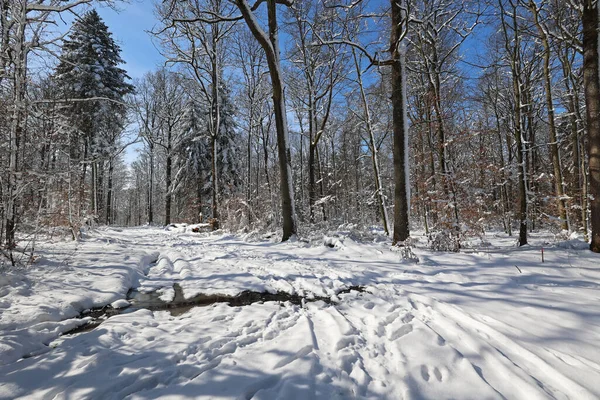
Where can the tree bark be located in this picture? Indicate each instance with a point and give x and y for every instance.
(215, 185)
(591, 82)
(401, 192)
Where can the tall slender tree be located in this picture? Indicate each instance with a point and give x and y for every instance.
(270, 44)
(591, 80)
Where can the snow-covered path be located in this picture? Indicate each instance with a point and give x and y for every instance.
(482, 324)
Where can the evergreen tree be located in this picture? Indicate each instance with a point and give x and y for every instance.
(93, 88)
(228, 158)
(196, 149)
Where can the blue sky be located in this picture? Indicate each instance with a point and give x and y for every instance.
(131, 22)
(128, 26)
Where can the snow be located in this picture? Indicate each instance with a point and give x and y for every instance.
(488, 322)
(121, 303)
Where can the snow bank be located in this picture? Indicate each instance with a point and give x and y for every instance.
(68, 278)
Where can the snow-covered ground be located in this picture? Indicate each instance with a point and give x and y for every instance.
(488, 322)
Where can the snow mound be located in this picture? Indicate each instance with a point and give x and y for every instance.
(121, 303)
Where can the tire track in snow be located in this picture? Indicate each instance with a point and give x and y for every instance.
(509, 368)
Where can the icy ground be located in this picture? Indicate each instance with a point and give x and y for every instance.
(491, 322)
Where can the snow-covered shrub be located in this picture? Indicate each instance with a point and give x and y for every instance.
(332, 242)
(444, 241)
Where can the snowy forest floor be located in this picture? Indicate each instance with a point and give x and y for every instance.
(489, 322)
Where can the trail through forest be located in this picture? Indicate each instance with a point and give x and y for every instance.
(490, 322)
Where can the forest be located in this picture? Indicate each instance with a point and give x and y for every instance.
(454, 117)
(299, 199)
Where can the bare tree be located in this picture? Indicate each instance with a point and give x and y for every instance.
(250, 58)
(200, 46)
(161, 109)
(444, 26)
(321, 70)
(373, 147)
(512, 40)
(399, 21)
(544, 37)
(270, 44)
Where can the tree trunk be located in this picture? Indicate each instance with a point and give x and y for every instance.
(312, 148)
(168, 168)
(215, 183)
(321, 182)
(94, 196)
(512, 45)
(591, 81)
(16, 128)
(249, 169)
(109, 193)
(401, 172)
(199, 188)
(373, 147)
(312, 185)
(558, 178)
(84, 165)
(215, 124)
(151, 186)
(572, 109)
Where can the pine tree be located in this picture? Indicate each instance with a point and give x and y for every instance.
(197, 146)
(196, 150)
(93, 88)
(228, 160)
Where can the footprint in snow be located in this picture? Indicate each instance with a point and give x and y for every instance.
(402, 331)
(426, 375)
(369, 305)
(408, 318)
